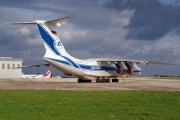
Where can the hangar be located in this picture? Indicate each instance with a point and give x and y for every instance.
(6, 67)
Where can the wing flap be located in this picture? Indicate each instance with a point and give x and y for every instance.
(120, 61)
(163, 63)
(130, 61)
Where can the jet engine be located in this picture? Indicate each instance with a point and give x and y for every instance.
(133, 69)
(121, 68)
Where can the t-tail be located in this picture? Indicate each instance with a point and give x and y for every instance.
(52, 42)
(56, 54)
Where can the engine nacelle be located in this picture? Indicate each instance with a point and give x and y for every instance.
(121, 68)
(133, 69)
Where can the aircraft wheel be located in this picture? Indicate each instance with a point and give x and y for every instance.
(107, 80)
(79, 80)
(83, 81)
(98, 80)
(87, 81)
(115, 80)
(102, 80)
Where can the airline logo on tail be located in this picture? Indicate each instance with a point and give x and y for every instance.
(47, 73)
(58, 44)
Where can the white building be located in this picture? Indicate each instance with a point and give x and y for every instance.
(6, 67)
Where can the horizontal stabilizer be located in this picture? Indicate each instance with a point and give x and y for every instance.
(51, 24)
(57, 20)
(23, 23)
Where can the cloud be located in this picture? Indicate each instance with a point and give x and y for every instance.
(87, 13)
(151, 19)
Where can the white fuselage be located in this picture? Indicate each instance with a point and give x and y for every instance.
(45, 75)
(35, 76)
(89, 70)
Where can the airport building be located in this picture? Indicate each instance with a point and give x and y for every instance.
(7, 65)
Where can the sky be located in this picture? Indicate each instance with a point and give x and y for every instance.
(130, 29)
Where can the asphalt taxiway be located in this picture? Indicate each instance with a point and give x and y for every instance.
(71, 84)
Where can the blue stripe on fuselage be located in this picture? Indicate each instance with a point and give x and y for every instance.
(86, 67)
(60, 61)
(137, 70)
(96, 67)
(71, 61)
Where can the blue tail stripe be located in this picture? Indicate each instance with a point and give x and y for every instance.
(47, 39)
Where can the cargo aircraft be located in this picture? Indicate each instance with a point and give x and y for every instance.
(99, 69)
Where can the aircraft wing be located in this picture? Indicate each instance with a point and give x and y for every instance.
(38, 65)
(108, 60)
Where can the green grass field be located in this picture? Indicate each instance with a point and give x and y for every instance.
(89, 105)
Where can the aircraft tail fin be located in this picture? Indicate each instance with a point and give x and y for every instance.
(47, 74)
(52, 43)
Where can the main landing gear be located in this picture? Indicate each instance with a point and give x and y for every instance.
(102, 80)
(84, 81)
(115, 80)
